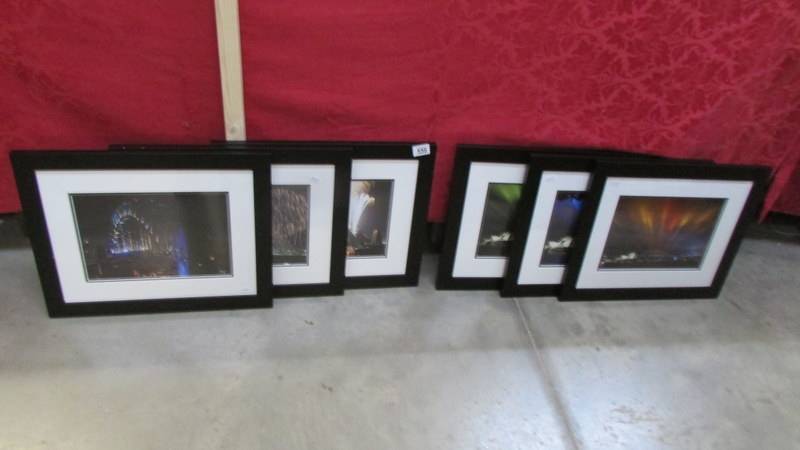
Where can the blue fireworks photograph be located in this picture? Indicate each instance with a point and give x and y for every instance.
(562, 227)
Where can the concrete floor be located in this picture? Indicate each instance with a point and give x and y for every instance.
(411, 369)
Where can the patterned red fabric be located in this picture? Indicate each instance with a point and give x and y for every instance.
(86, 73)
(789, 200)
(703, 79)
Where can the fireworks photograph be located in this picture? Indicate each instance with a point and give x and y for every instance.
(660, 232)
(495, 233)
(138, 236)
(561, 231)
(290, 216)
(368, 221)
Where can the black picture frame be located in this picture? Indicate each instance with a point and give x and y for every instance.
(337, 154)
(465, 156)
(527, 204)
(388, 150)
(418, 235)
(340, 157)
(758, 175)
(27, 163)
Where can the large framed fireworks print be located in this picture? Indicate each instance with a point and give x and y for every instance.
(661, 230)
(551, 204)
(144, 232)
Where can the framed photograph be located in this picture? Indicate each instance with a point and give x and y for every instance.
(661, 230)
(116, 233)
(552, 199)
(485, 189)
(309, 218)
(309, 183)
(387, 217)
(386, 227)
(485, 192)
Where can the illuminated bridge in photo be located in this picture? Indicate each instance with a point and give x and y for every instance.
(131, 233)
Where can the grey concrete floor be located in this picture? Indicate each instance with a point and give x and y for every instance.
(411, 369)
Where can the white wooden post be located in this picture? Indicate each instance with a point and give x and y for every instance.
(230, 68)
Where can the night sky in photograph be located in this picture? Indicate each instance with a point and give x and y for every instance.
(153, 235)
(660, 232)
(368, 224)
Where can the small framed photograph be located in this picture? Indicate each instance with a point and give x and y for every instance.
(551, 204)
(117, 233)
(309, 218)
(485, 191)
(389, 194)
(661, 230)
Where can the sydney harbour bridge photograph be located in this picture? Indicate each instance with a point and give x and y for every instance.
(169, 235)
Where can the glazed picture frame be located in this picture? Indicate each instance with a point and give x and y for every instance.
(661, 230)
(144, 232)
(468, 195)
(326, 172)
(409, 172)
(549, 210)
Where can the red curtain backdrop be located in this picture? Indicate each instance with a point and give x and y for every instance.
(696, 79)
(87, 73)
(789, 200)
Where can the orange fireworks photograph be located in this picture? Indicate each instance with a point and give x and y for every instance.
(660, 232)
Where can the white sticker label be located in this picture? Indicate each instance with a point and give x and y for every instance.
(420, 150)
